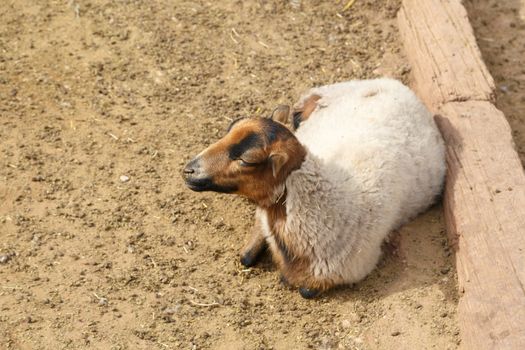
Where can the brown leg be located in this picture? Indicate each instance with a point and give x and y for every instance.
(292, 262)
(255, 246)
(294, 271)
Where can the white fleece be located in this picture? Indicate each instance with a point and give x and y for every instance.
(375, 159)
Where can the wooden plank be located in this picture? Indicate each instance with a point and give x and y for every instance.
(485, 192)
(484, 212)
(443, 53)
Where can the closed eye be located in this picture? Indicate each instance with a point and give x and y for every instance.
(247, 164)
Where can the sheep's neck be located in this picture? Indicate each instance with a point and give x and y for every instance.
(276, 216)
(276, 210)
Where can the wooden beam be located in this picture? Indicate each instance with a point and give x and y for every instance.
(443, 52)
(485, 215)
(485, 192)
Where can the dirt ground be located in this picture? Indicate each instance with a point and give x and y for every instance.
(102, 246)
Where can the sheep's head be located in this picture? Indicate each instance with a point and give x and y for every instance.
(253, 159)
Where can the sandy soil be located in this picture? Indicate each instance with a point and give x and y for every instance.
(101, 245)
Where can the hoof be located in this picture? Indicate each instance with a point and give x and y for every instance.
(284, 281)
(252, 256)
(248, 261)
(309, 293)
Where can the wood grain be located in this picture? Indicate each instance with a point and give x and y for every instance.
(443, 53)
(484, 198)
(484, 212)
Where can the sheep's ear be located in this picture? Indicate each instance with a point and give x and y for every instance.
(278, 160)
(281, 113)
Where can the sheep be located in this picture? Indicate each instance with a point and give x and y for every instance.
(365, 158)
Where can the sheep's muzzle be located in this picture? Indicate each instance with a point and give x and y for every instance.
(197, 180)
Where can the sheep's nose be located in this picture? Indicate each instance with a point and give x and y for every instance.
(188, 170)
(191, 168)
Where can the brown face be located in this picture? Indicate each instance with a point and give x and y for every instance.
(254, 157)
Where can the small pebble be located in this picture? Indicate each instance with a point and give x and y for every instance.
(102, 301)
(4, 258)
(171, 310)
(346, 324)
(124, 178)
(445, 270)
(38, 178)
(395, 333)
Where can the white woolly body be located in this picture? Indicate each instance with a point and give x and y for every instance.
(375, 159)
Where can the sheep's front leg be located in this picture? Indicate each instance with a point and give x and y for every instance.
(252, 251)
(294, 270)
